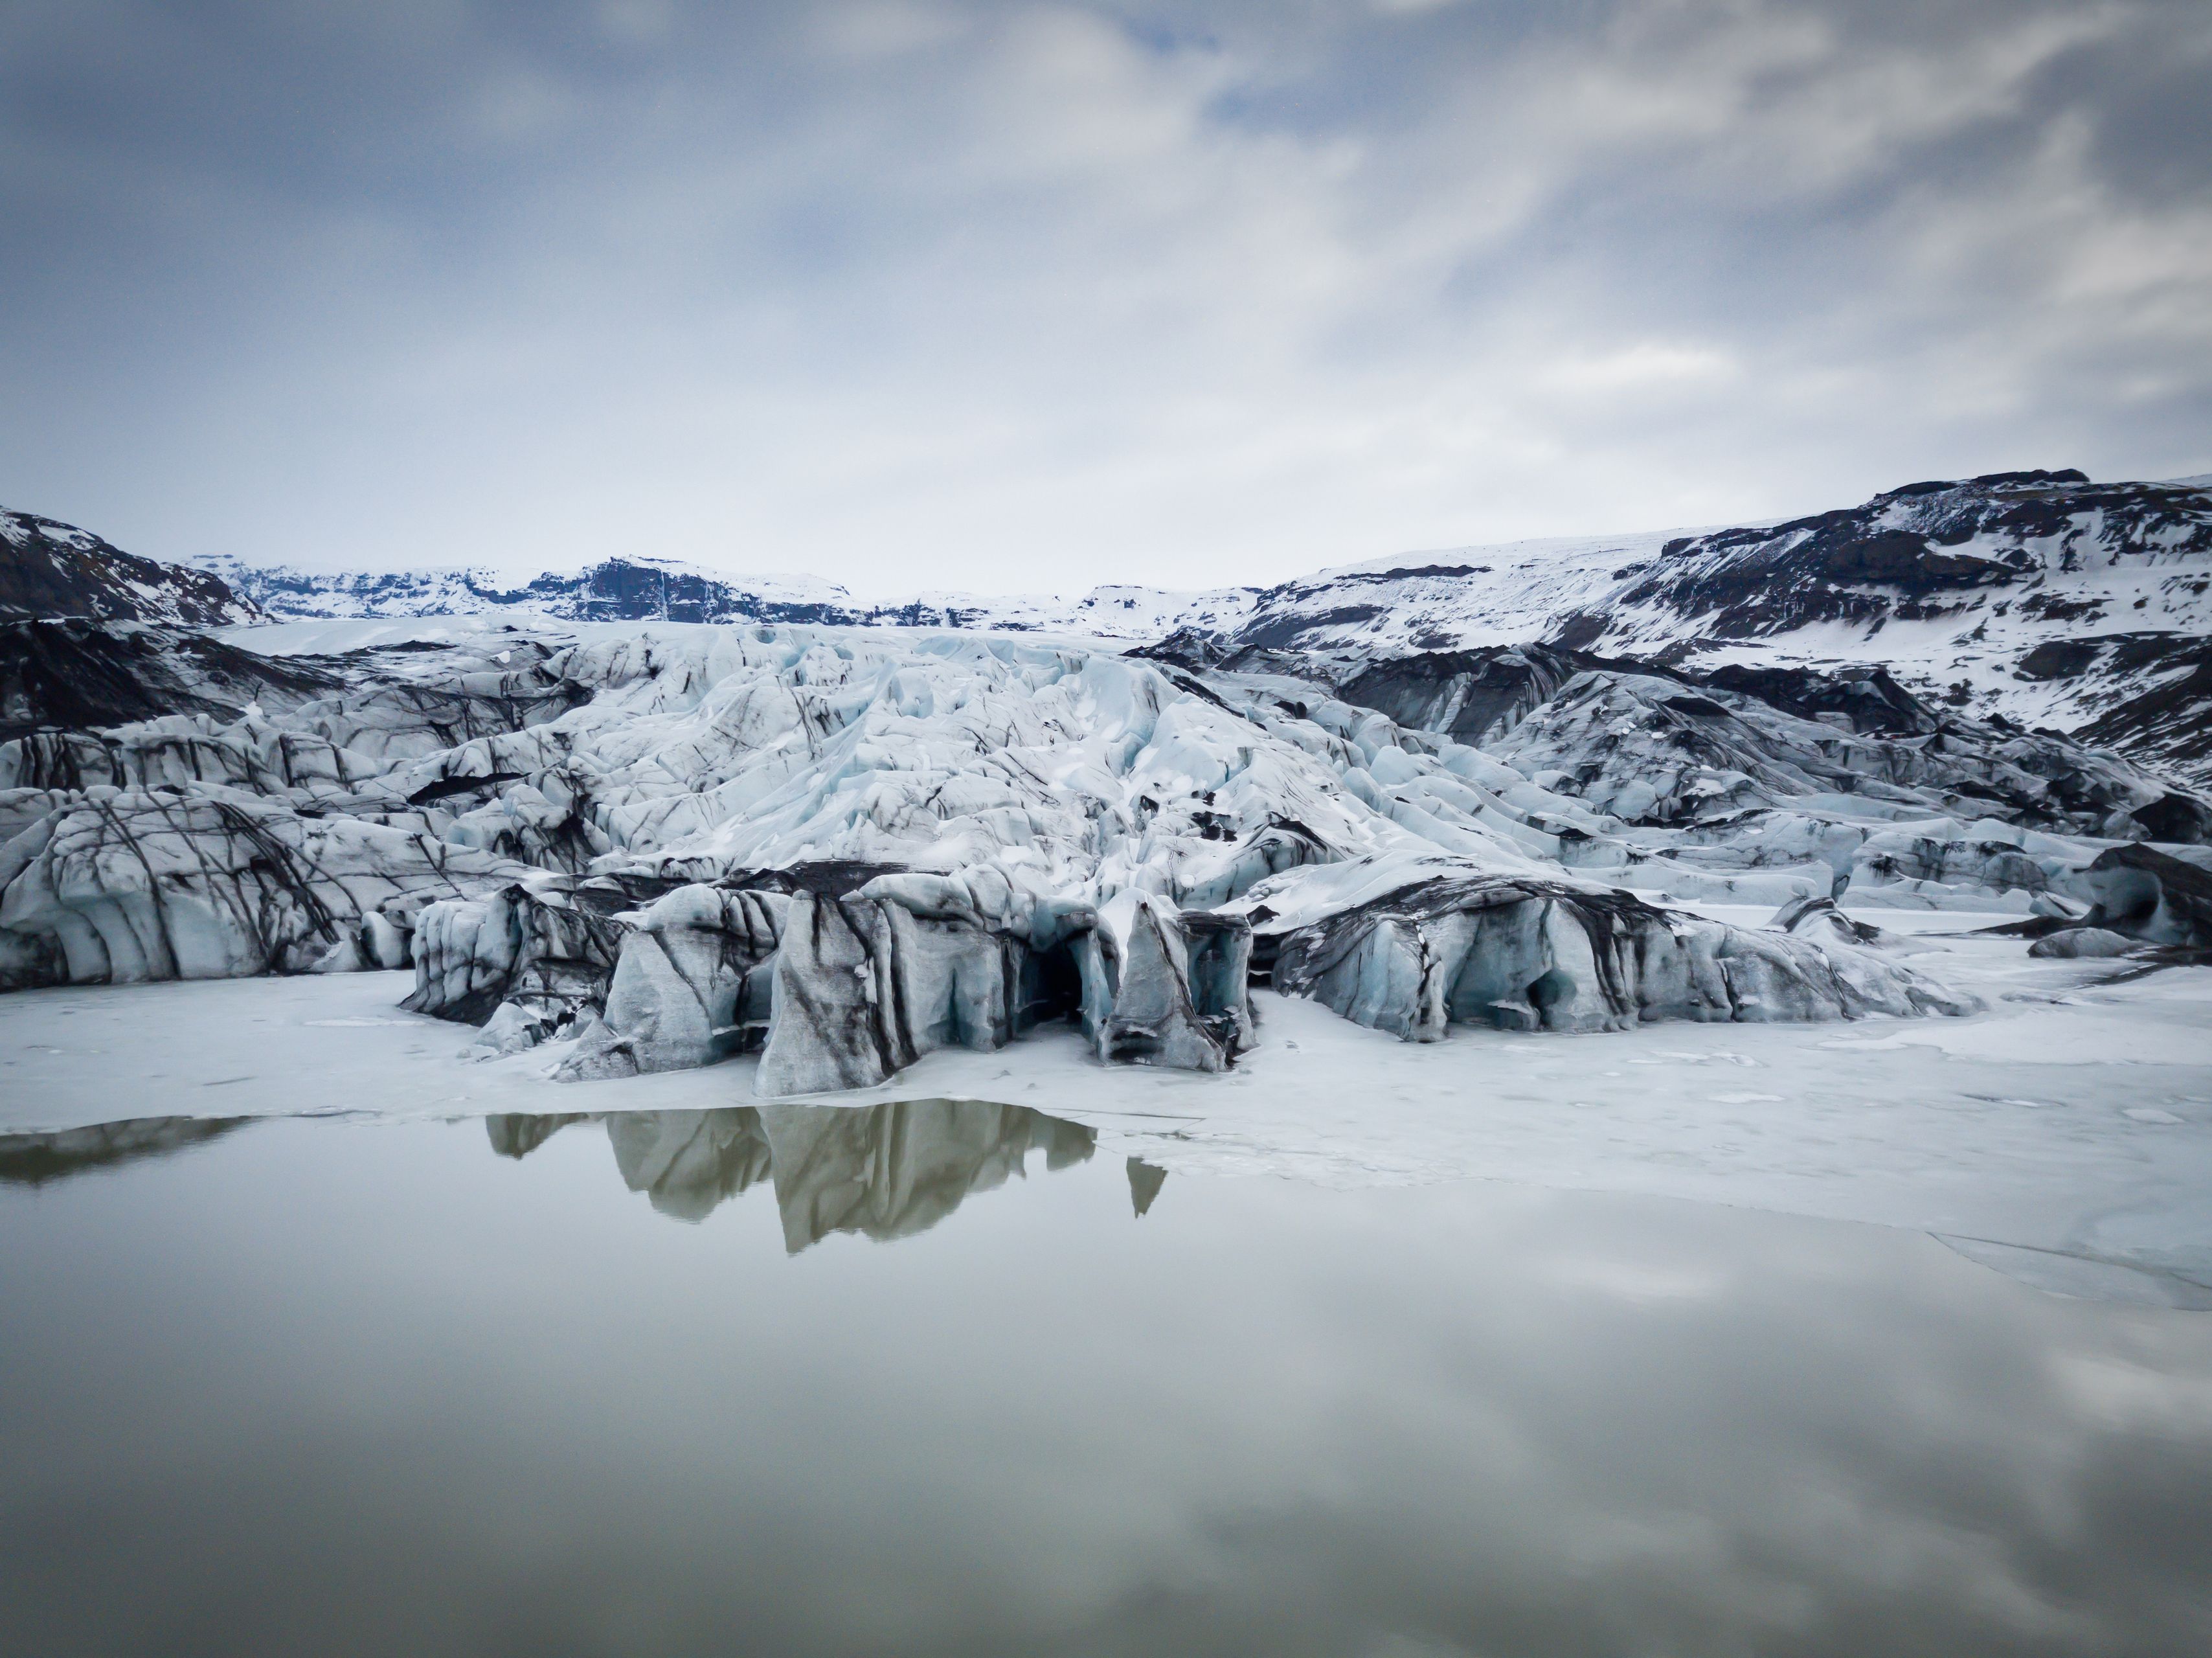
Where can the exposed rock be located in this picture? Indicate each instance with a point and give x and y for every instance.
(1976, 592)
(1470, 696)
(2147, 895)
(2153, 693)
(1867, 696)
(1923, 546)
(2081, 943)
(49, 570)
(79, 676)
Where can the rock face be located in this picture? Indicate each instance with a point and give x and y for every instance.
(1925, 548)
(50, 570)
(2003, 595)
(2039, 597)
(2152, 693)
(81, 676)
(1469, 696)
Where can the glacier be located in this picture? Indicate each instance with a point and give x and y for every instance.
(650, 849)
(1313, 900)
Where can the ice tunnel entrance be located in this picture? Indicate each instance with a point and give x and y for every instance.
(1551, 990)
(1051, 987)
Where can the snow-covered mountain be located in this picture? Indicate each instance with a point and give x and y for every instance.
(619, 840)
(49, 570)
(2037, 597)
(1984, 569)
(633, 589)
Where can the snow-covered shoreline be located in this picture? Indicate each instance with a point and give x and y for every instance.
(2065, 1133)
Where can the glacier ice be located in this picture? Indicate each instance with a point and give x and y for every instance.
(648, 849)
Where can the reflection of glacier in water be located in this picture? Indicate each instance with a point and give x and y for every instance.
(884, 1172)
(34, 1159)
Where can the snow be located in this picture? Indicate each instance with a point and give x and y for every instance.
(1123, 611)
(2064, 1134)
(933, 852)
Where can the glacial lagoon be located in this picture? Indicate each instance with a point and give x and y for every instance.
(940, 1376)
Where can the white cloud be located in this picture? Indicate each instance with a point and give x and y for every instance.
(944, 294)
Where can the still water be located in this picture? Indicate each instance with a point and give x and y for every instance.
(946, 1378)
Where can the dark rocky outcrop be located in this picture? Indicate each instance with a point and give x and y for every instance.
(50, 570)
(1915, 550)
(2146, 894)
(1869, 697)
(1471, 695)
(79, 676)
(2157, 693)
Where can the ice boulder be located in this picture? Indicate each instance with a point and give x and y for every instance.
(1522, 954)
(2080, 944)
(1820, 920)
(115, 886)
(693, 982)
(547, 943)
(2150, 895)
(866, 984)
(1182, 1001)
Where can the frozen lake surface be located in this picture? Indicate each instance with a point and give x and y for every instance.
(921, 1379)
(2064, 1135)
(318, 1334)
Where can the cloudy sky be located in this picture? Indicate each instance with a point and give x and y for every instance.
(1006, 296)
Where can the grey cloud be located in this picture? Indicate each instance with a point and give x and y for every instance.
(1000, 296)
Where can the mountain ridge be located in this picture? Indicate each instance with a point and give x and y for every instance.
(2037, 597)
(50, 570)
